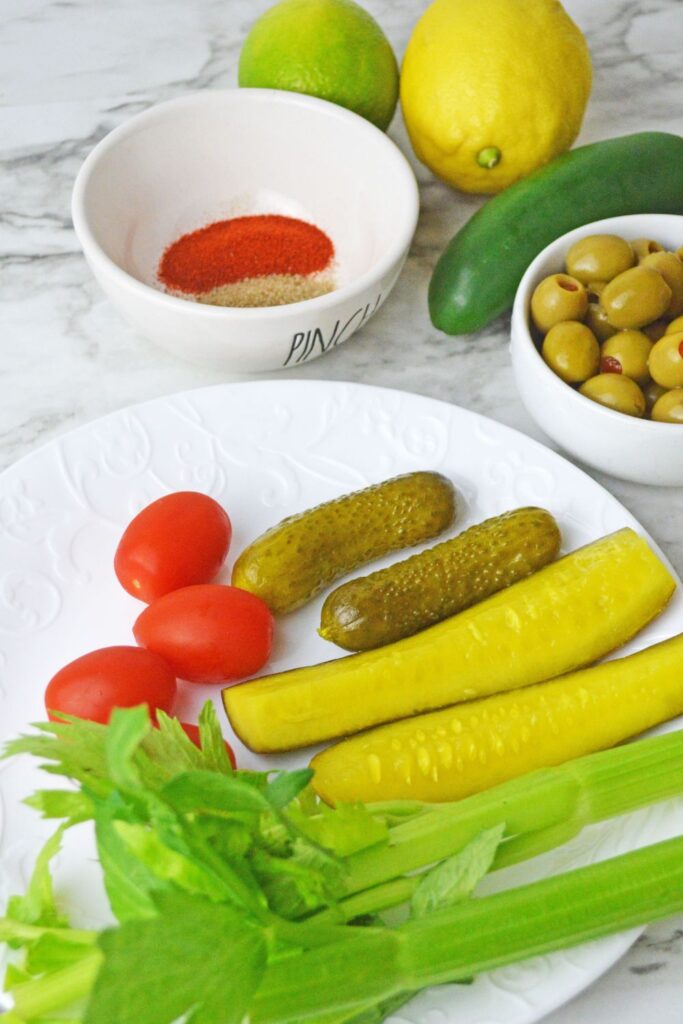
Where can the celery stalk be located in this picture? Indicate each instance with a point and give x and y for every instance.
(552, 805)
(453, 944)
(55, 991)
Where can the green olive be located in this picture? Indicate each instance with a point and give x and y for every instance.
(666, 361)
(599, 258)
(596, 319)
(595, 290)
(557, 298)
(657, 329)
(670, 267)
(669, 407)
(616, 392)
(652, 392)
(627, 352)
(643, 247)
(571, 350)
(674, 326)
(636, 297)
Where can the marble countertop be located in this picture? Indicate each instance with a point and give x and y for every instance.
(71, 71)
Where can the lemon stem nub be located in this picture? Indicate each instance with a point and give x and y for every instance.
(489, 157)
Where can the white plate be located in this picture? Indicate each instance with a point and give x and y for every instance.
(268, 449)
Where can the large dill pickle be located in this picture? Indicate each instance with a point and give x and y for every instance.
(565, 616)
(295, 560)
(455, 752)
(416, 593)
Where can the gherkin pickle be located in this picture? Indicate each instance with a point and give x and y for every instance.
(416, 593)
(295, 560)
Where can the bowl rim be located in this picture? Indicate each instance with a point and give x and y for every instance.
(522, 334)
(407, 212)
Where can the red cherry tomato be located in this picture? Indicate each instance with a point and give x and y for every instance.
(209, 633)
(176, 541)
(112, 677)
(193, 733)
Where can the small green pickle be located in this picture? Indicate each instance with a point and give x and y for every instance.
(291, 563)
(422, 590)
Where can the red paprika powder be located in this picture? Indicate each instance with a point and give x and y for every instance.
(263, 249)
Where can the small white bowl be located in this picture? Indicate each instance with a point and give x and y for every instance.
(219, 154)
(639, 450)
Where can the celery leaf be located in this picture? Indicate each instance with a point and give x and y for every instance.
(195, 958)
(37, 906)
(454, 879)
(343, 829)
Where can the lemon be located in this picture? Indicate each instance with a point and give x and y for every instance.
(493, 89)
(332, 49)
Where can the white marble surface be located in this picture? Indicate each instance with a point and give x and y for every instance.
(70, 70)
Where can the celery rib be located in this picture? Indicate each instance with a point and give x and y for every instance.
(62, 988)
(565, 798)
(450, 945)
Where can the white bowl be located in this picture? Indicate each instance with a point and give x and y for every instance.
(218, 154)
(639, 450)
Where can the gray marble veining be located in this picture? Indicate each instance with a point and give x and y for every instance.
(71, 70)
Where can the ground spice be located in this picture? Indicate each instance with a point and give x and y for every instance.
(273, 290)
(261, 260)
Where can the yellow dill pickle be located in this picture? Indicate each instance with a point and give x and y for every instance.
(565, 616)
(295, 560)
(428, 587)
(458, 751)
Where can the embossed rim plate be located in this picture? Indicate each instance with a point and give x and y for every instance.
(267, 449)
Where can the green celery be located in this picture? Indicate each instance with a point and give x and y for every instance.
(54, 991)
(450, 881)
(479, 935)
(552, 805)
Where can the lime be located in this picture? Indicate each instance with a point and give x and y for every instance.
(332, 49)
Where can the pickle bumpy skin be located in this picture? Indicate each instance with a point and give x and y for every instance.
(452, 753)
(565, 616)
(290, 564)
(429, 587)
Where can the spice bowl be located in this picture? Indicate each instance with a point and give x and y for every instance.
(640, 450)
(217, 155)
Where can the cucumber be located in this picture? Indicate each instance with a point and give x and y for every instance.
(428, 587)
(477, 276)
(295, 560)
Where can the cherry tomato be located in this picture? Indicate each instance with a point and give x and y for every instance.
(179, 540)
(111, 677)
(209, 633)
(193, 733)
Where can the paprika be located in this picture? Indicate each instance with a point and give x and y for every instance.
(260, 260)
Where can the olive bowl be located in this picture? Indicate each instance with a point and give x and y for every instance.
(639, 450)
(218, 154)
